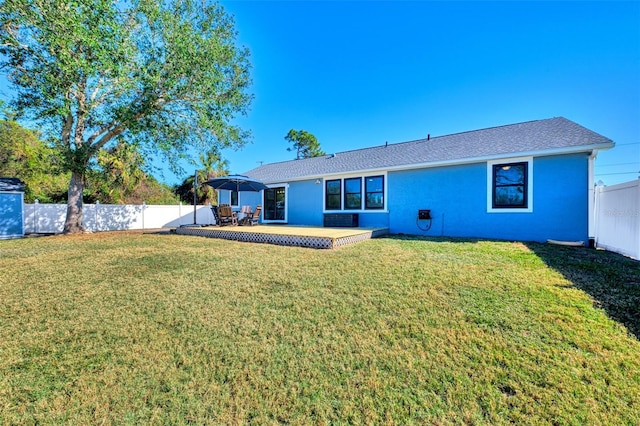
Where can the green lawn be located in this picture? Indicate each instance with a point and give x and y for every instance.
(130, 328)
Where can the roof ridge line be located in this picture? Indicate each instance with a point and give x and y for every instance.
(494, 127)
(429, 138)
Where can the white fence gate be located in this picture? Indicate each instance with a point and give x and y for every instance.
(49, 218)
(617, 218)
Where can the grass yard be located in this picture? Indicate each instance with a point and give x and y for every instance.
(130, 328)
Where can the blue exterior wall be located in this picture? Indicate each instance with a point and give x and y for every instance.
(224, 197)
(563, 198)
(457, 198)
(11, 215)
(305, 203)
(374, 220)
(245, 198)
(248, 198)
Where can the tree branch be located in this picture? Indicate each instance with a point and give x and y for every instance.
(115, 131)
(93, 95)
(67, 125)
(81, 114)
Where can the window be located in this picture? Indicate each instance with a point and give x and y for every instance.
(374, 192)
(234, 198)
(332, 194)
(353, 194)
(275, 204)
(510, 185)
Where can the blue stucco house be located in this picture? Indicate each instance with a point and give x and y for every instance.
(11, 208)
(529, 181)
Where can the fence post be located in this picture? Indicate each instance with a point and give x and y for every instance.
(35, 215)
(96, 215)
(596, 212)
(144, 204)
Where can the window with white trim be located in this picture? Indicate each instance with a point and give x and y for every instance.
(357, 193)
(333, 194)
(510, 185)
(374, 192)
(353, 193)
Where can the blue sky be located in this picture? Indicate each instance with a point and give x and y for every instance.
(360, 73)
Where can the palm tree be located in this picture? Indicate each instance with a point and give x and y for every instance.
(212, 165)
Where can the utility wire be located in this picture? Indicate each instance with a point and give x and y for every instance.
(618, 164)
(621, 173)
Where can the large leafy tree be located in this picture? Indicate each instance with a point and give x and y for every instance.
(161, 76)
(304, 144)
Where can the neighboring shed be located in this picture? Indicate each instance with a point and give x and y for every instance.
(11, 208)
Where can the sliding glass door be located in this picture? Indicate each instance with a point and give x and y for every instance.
(274, 204)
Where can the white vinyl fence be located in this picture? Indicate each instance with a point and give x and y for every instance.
(617, 218)
(49, 218)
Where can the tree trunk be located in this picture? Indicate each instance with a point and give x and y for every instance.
(73, 222)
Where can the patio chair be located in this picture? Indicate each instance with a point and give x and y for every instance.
(245, 212)
(253, 218)
(216, 215)
(227, 217)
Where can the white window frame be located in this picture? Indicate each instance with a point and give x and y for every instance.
(324, 194)
(490, 164)
(343, 203)
(231, 193)
(286, 203)
(362, 208)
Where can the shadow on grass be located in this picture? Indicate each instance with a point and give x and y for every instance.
(611, 279)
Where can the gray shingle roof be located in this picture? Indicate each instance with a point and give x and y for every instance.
(540, 136)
